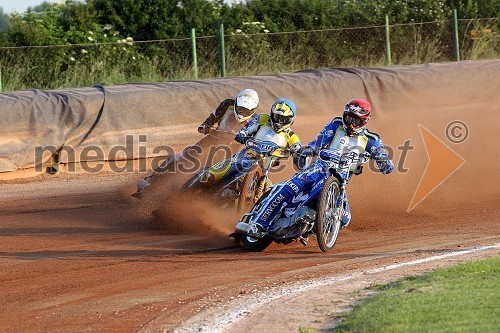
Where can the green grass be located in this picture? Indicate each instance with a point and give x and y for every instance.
(465, 298)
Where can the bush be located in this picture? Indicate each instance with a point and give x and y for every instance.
(115, 41)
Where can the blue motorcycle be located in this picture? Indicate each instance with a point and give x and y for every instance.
(242, 185)
(318, 212)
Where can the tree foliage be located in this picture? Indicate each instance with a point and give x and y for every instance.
(80, 27)
(161, 19)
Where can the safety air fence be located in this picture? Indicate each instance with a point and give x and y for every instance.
(100, 123)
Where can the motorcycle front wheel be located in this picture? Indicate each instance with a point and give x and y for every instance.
(251, 244)
(249, 188)
(328, 215)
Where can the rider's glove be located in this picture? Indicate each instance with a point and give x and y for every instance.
(306, 151)
(204, 129)
(295, 147)
(386, 167)
(384, 163)
(300, 158)
(241, 137)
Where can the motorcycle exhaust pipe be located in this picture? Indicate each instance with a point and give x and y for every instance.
(245, 229)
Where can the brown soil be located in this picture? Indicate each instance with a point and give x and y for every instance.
(77, 253)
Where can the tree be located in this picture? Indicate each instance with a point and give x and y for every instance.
(475, 8)
(161, 19)
(142, 19)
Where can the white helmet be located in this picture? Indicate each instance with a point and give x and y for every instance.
(246, 102)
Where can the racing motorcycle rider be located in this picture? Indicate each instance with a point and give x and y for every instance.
(232, 114)
(348, 134)
(274, 127)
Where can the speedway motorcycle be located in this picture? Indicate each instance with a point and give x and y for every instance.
(318, 213)
(240, 189)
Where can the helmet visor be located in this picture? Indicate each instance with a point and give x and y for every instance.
(280, 119)
(353, 121)
(243, 111)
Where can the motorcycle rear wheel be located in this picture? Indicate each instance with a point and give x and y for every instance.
(246, 200)
(251, 244)
(328, 215)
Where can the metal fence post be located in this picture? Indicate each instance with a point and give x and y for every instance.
(1, 86)
(454, 24)
(387, 40)
(193, 48)
(222, 51)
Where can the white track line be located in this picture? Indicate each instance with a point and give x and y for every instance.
(434, 258)
(234, 310)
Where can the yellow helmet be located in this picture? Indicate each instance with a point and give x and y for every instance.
(283, 113)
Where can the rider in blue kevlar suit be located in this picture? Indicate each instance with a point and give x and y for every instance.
(347, 133)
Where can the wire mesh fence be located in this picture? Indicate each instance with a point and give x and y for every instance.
(278, 52)
(56, 66)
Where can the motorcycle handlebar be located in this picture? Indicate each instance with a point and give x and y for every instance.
(283, 152)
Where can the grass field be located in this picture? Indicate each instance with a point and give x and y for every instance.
(465, 298)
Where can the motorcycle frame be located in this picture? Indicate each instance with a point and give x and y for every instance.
(265, 162)
(341, 174)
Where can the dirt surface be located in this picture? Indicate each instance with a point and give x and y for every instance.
(78, 254)
(318, 305)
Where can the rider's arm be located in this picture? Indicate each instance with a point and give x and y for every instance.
(252, 126)
(378, 153)
(326, 135)
(293, 142)
(249, 129)
(218, 113)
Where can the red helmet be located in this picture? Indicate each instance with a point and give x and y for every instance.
(356, 116)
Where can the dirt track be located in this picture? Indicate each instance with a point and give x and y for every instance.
(77, 254)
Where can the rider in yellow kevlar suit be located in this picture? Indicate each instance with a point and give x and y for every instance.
(275, 127)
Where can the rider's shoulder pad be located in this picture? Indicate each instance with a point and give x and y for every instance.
(372, 135)
(334, 124)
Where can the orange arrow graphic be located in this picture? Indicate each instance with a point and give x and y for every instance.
(443, 162)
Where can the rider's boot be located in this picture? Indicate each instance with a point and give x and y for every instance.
(304, 239)
(141, 186)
